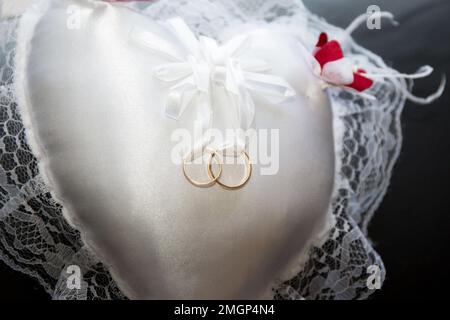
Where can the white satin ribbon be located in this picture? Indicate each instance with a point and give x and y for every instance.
(196, 64)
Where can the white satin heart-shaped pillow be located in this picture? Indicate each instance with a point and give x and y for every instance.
(93, 110)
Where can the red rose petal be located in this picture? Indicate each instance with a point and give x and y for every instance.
(361, 71)
(331, 51)
(323, 39)
(360, 83)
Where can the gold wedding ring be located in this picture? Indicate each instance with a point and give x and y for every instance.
(205, 184)
(245, 179)
(215, 177)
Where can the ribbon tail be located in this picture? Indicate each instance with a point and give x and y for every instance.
(204, 110)
(254, 65)
(233, 47)
(274, 89)
(185, 36)
(239, 95)
(246, 109)
(177, 103)
(179, 98)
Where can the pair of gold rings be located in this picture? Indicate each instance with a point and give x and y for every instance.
(215, 156)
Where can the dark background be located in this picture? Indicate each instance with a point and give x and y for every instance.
(411, 229)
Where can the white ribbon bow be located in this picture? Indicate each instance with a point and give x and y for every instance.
(196, 64)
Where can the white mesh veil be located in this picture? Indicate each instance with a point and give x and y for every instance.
(36, 240)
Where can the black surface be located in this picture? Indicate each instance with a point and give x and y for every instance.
(411, 230)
